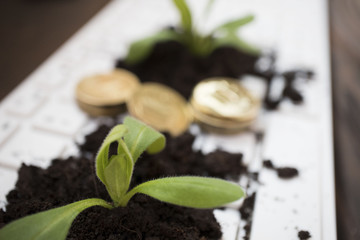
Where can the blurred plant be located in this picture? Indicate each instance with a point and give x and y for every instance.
(186, 33)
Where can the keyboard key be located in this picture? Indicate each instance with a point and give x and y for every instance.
(31, 146)
(289, 141)
(7, 128)
(25, 100)
(8, 179)
(60, 117)
(51, 76)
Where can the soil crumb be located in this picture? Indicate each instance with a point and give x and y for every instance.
(304, 235)
(246, 211)
(282, 172)
(287, 172)
(268, 164)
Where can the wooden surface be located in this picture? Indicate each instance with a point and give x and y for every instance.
(345, 42)
(31, 30)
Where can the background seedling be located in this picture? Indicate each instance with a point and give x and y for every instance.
(186, 33)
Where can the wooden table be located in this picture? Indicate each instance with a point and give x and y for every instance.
(345, 46)
(32, 29)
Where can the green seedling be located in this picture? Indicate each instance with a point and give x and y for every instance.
(115, 172)
(186, 34)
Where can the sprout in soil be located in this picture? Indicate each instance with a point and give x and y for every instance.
(115, 172)
(186, 34)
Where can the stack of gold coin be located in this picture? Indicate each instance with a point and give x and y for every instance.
(223, 105)
(218, 104)
(160, 107)
(106, 94)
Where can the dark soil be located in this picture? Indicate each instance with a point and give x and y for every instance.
(304, 235)
(287, 172)
(247, 207)
(247, 210)
(172, 64)
(66, 181)
(268, 164)
(178, 158)
(146, 218)
(282, 172)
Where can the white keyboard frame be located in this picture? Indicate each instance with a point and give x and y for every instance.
(42, 111)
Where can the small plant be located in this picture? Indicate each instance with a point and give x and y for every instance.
(186, 33)
(133, 138)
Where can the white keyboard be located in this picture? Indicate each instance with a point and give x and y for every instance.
(42, 111)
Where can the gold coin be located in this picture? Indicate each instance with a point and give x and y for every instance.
(95, 111)
(221, 123)
(219, 130)
(222, 105)
(224, 98)
(161, 107)
(107, 89)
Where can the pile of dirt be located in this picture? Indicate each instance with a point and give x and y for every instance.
(73, 179)
(172, 64)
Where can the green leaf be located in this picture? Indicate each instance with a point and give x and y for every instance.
(196, 192)
(234, 25)
(141, 137)
(133, 137)
(102, 158)
(118, 176)
(186, 20)
(200, 45)
(52, 224)
(232, 40)
(139, 50)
